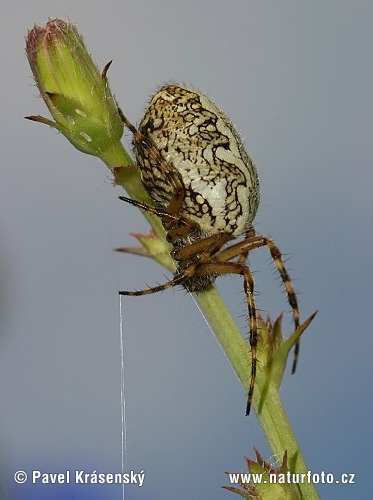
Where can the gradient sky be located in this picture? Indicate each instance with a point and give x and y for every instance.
(296, 78)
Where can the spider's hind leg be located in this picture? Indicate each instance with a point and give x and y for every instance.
(225, 267)
(289, 287)
(257, 241)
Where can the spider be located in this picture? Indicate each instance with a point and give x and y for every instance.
(205, 189)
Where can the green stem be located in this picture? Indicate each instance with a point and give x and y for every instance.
(270, 413)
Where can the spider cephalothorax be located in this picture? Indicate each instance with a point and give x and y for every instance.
(205, 189)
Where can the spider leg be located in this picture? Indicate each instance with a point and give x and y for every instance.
(156, 211)
(292, 297)
(243, 257)
(236, 268)
(256, 241)
(180, 226)
(142, 141)
(175, 225)
(206, 248)
(126, 122)
(178, 279)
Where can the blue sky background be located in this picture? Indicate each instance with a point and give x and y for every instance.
(296, 78)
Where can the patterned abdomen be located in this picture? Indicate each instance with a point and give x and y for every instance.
(198, 142)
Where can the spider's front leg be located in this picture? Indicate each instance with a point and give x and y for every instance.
(177, 280)
(144, 147)
(172, 220)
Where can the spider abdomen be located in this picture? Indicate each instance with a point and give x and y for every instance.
(199, 144)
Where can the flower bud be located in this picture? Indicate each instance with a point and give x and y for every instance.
(76, 93)
(265, 480)
(274, 349)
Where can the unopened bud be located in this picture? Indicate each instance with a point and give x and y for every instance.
(76, 93)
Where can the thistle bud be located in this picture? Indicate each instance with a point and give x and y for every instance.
(265, 480)
(76, 93)
(274, 348)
